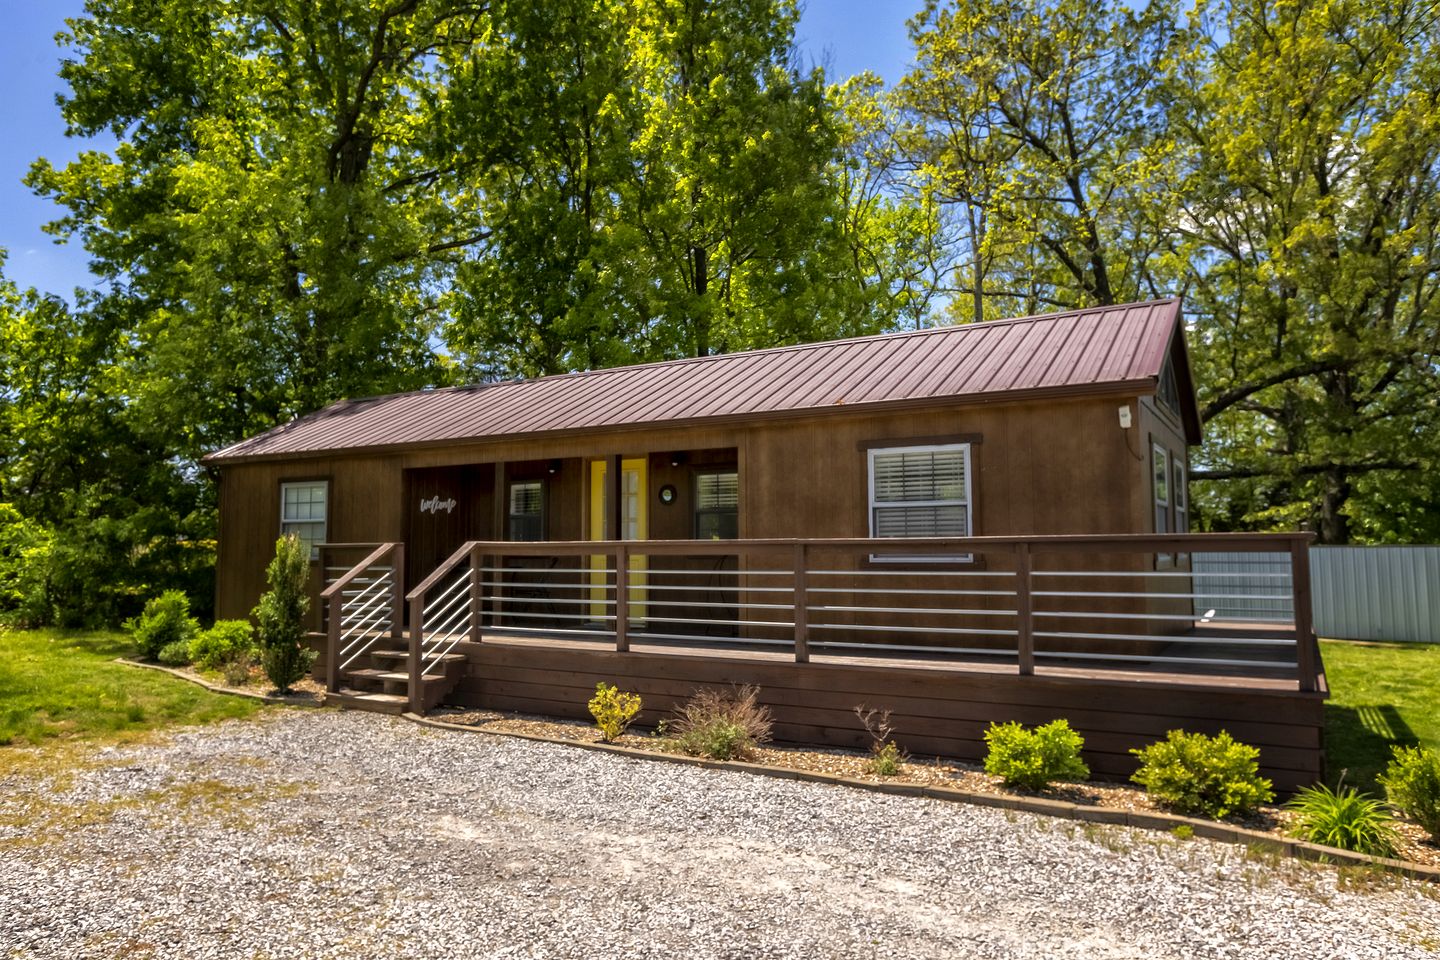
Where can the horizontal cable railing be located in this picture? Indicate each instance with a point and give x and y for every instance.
(361, 604)
(1120, 603)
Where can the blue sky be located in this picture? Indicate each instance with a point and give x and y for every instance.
(844, 36)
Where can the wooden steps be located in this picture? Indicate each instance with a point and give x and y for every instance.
(379, 681)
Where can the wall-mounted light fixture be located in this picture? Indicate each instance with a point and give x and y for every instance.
(677, 458)
(554, 467)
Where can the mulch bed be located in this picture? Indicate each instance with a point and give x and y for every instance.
(1414, 844)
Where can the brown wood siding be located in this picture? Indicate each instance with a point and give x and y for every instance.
(936, 712)
(1045, 467)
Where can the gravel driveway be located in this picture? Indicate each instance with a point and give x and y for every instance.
(318, 833)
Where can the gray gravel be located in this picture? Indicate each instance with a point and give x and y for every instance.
(304, 834)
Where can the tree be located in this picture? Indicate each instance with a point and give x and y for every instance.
(280, 615)
(1310, 221)
(1037, 123)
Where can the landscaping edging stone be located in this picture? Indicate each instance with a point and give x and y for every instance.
(1147, 820)
(216, 688)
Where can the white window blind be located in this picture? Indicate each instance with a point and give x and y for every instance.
(717, 505)
(920, 492)
(527, 511)
(303, 508)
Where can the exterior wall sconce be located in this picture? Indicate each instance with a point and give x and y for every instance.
(677, 458)
(554, 467)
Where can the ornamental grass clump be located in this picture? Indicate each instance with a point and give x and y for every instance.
(722, 724)
(613, 710)
(1033, 759)
(1344, 818)
(1412, 784)
(1193, 774)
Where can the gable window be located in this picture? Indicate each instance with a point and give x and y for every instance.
(921, 492)
(717, 505)
(1168, 391)
(527, 510)
(303, 508)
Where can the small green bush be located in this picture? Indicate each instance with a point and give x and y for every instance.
(887, 758)
(237, 671)
(613, 710)
(165, 621)
(1208, 776)
(281, 615)
(722, 724)
(175, 654)
(1033, 759)
(1344, 818)
(1412, 783)
(228, 639)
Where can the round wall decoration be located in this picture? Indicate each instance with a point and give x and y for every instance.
(667, 493)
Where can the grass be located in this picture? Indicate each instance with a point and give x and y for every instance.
(57, 684)
(1380, 694)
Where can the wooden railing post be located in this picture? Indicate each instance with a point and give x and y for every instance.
(1024, 613)
(417, 648)
(1305, 642)
(332, 642)
(802, 603)
(397, 593)
(476, 594)
(622, 598)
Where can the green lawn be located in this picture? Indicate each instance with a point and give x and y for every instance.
(1380, 694)
(61, 684)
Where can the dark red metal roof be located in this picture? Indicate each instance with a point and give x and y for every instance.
(1097, 350)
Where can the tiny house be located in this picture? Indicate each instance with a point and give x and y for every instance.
(964, 523)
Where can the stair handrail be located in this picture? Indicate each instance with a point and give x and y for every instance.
(333, 596)
(416, 599)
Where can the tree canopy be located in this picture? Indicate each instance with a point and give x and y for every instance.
(315, 201)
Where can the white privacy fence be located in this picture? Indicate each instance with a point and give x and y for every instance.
(1358, 593)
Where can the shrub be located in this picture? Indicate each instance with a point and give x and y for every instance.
(723, 724)
(1211, 776)
(887, 759)
(1032, 759)
(237, 671)
(228, 639)
(1344, 818)
(281, 615)
(613, 710)
(164, 622)
(175, 654)
(1412, 782)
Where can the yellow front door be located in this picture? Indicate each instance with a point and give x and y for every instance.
(634, 505)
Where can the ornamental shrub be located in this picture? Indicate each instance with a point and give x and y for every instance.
(722, 724)
(1344, 818)
(280, 615)
(1412, 783)
(1033, 759)
(613, 709)
(1191, 773)
(226, 641)
(164, 622)
(175, 654)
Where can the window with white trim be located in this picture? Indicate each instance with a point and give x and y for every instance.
(527, 510)
(921, 492)
(303, 509)
(717, 505)
(1160, 469)
(1180, 496)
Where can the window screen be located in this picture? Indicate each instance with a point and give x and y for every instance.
(527, 510)
(303, 512)
(717, 505)
(920, 492)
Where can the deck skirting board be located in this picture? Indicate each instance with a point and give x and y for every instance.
(935, 712)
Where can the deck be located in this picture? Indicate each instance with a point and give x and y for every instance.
(1114, 646)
